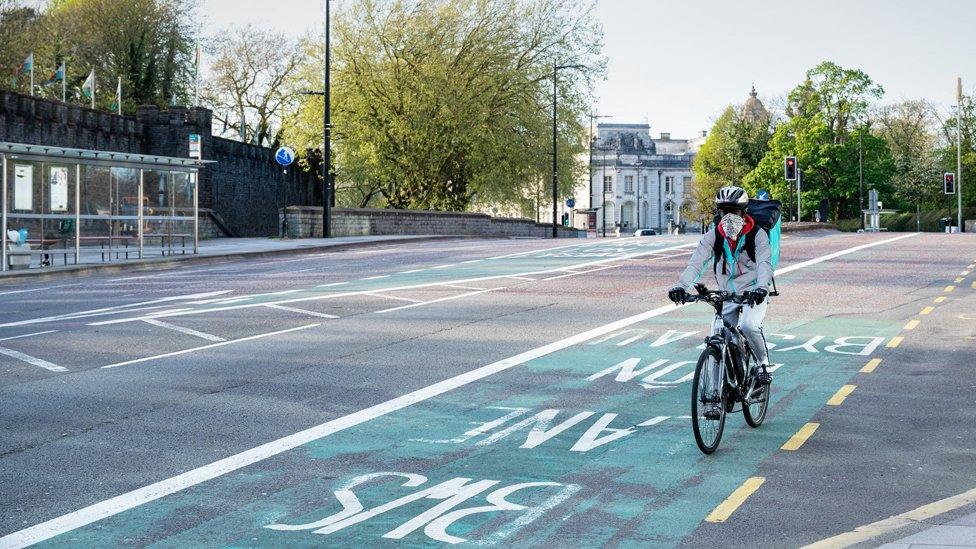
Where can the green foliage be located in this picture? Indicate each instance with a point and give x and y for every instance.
(438, 103)
(822, 110)
(146, 42)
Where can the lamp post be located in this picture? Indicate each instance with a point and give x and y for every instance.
(555, 167)
(326, 133)
(638, 164)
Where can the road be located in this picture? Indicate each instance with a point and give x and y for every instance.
(494, 392)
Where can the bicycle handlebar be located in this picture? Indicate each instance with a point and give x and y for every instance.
(715, 296)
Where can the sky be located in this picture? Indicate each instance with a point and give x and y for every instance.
(677, 63)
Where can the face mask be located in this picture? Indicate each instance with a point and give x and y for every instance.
(732, 225)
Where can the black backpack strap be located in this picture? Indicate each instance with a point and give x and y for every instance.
(718, 252)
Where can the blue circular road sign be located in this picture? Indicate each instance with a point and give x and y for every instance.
(570, 203)
(285, 156)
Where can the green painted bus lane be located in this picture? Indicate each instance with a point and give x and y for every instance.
(590, 443)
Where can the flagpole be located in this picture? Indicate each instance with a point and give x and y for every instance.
(196, 77)
(32, 74)
(118, 96)
(64, 79)
(93, 89)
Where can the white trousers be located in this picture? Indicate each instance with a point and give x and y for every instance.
(750, 322)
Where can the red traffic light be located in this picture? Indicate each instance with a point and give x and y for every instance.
(949, 183)
(789, 168)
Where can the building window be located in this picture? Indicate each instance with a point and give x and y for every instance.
(628, 183)
(645, 184)
(608, 183)
(668, 185)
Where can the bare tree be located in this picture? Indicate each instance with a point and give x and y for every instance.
(249, 84)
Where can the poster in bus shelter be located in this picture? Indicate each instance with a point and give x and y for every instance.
(23, 187)
(59, 189)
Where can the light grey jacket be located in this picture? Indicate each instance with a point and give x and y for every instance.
(741, 277)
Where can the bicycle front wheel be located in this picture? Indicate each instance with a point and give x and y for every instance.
(707, 402)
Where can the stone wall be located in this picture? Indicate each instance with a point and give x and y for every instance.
(244, 185)
(306, 222)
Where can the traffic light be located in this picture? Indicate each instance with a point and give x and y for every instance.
(790, 168)
(949, 183)
(565, 220)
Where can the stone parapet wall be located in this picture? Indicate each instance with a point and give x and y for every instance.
(306, 222)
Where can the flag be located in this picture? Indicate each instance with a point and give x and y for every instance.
(117, 105)
(57, 75)
(88, 88)
(27, 67)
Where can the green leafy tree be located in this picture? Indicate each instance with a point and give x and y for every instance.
(822, 112)
(148, 43)
(947, 151)
(439, 103)
(910, 129)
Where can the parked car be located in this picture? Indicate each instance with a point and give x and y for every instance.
(645, 232)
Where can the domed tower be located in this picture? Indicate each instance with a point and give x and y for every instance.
(753, 110)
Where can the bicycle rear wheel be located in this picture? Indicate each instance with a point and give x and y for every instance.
(707, 399)
(755, 409)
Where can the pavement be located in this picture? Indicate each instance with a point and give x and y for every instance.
(486, 392)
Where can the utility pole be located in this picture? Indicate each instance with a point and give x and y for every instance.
(860, 174)
(593, 116)
(555, 165)
(327, 136)
(959, 152)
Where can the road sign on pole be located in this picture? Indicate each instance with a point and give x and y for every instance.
(571, 202)
(196, 150)
(284, 156)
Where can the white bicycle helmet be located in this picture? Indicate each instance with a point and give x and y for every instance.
(731, 197)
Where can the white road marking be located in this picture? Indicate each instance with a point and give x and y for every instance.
(30, 360)
(182, 330)
(411, 271)
(574, 273)
(302, 311)
(331, 284)
(38, 289)
(444, 266)
(204, 347)
(473, 261)
(28, 335)
(112, 310)
(398, 298)
(129, 500)
(400, 288)
(653, 421)
(462, 287)
(521, 278)
(376, 277)
(448, 298)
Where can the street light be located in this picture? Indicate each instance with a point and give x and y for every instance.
(593, 116)
(326, 134)
(555, 167)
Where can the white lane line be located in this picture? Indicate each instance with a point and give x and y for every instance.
(407, 287)
(182, 330)
(112, 310)
(28, 335)
(574, 273)
(472, 261)
(444, 266)
(331, 284)
(30, 360)
(462, 287)
(238, 299)
(398, 298)
(37, 289)
(129, 500)
(376, 277)
(204, 347)
(302, 311)
(410, 271)
(448, 298)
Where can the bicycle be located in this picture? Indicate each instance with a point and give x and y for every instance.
(727, 346)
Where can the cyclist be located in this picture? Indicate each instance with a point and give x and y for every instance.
(740, 253)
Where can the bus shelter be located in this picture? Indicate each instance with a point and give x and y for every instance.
(81, 206)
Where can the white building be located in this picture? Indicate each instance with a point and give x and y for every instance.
(639, 182)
